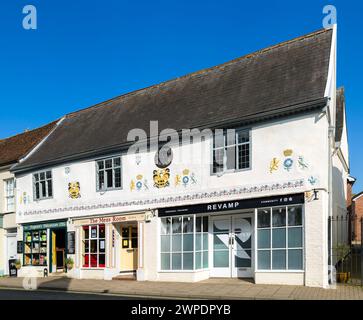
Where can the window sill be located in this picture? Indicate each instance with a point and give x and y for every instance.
(183, 271)
(229, 172)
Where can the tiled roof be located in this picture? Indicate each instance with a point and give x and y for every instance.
(271, 81)
(14, 148)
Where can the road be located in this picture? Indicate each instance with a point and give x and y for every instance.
(17, 294)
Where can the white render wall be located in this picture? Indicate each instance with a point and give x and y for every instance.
(304, 135)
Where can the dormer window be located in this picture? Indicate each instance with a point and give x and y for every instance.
(43, 185)
(231, 151)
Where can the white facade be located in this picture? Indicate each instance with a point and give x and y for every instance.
(119, 231)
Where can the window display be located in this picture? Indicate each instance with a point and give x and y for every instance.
(94, 245)
(35, 248)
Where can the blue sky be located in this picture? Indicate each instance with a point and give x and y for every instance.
(84, 52)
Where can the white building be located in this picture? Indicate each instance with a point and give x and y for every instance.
(263, 216)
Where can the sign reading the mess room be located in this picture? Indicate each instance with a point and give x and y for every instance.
(112, 219)
(234, 205)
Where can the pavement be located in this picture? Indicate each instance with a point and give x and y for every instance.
(215, 289)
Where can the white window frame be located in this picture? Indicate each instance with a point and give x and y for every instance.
(9, 195)
(98, 170)
(48, 181)
(170, 252)
(286, 270)
(89, 239)
(235, 145)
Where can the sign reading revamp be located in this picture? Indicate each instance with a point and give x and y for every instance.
(50, 225)
(234, 205)
(71, 242)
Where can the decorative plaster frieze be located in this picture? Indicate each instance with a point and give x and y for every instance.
(250, 189)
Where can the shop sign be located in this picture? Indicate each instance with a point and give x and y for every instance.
(19, 247)
(49, 225)
(234, 205)
(71, 242)
(112, 219)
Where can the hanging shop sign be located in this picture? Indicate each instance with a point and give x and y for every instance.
(49, 225)
(234, 205)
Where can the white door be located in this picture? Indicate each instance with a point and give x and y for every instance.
(10, 250)
(232, 246)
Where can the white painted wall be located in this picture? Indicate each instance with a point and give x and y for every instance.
(304, 135)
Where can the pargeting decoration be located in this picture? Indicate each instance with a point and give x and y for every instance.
(186, 178)
(274, 164)
(161, 178)
(139, 183)
(74, 190)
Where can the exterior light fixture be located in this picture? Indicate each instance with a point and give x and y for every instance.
(315, 194)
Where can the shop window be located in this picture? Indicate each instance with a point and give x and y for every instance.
(35, 248)
(231, 150)
(94, 246)
(280, 238)
(184, 243)
(109, 174)
(43, 185)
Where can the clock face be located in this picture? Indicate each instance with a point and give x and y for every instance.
(163, 157)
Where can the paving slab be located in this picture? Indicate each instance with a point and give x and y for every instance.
(207, 289)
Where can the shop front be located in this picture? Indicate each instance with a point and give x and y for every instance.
(232, 239)
(44, 248)
(108, 246)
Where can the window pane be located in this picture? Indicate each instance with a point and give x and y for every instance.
(188, 261)
(220, 241)
(243, 136)
(205, 241)
(42, 176)
(165, 244)
(231, 157)
(263, 218)
(218, 160)
(43, 189)
(198, 224)
(295, 259)
(102, 260)
(188, 242)
(94, 260)
(205, 224)
(86, 232)
(101, 180)
(176, 243)
(93, 232)
(93, 246)
(263, 240)
(108, 163)
(278, 259)
(176, 261)
(263, 259)
(198, 241)
(101, 231)
(109, 178)
(295, 237)
(101, 245)
(100, 165)
(198, 260)
(37, 191)
(279, 238)
(187, 224)
(118, 178)
(221, 259)
(165, 261)
(117, 162)
(244, 156)
(36, 177)
(295, 216)
(50, 188)
(205, 259)
(177, 222)
(49, 174)
(165, 226)
(279, 217)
